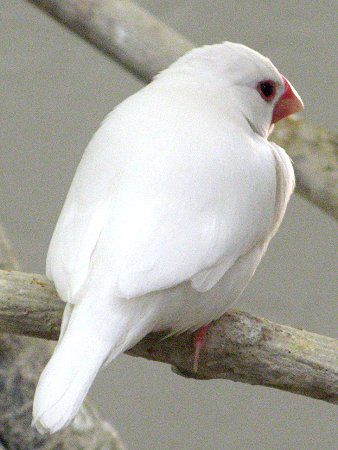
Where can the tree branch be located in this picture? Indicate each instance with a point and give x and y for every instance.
(122, 30)
(239, 347)
(145, 46)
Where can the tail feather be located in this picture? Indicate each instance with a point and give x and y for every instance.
(94, 332)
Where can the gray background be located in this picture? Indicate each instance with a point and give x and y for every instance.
(54, 90)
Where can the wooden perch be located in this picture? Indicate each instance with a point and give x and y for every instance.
(239, 347)
(145, 46)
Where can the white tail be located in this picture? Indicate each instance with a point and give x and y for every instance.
(95, 331)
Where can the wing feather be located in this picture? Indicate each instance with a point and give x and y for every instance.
(146, 212)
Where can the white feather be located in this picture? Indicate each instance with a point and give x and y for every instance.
(170, 211)
(95, 331)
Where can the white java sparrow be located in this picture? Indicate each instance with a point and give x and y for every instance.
(170, 211)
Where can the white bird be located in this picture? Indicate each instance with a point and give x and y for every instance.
(170, 211)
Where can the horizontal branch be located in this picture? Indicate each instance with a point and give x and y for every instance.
(145, 46)
(238, 347)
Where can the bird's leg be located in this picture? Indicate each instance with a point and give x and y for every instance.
(199, 338)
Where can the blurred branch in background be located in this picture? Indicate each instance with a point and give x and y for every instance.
(21, 362)
(239, 347)
(145, 46)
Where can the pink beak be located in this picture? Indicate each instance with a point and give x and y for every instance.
(289, 103)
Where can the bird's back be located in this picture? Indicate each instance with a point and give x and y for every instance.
(167, 187)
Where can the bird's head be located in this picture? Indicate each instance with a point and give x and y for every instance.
(248, 81)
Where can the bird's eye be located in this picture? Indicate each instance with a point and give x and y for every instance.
(267, 90)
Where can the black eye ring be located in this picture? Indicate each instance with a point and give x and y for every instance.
(267, 90)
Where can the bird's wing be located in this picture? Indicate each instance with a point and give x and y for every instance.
(285, 184)
(152, 206)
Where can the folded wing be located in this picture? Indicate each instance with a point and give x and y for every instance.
(147, 213)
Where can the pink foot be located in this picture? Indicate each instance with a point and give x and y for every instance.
(199, 339)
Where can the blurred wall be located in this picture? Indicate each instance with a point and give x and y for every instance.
(55, 89)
